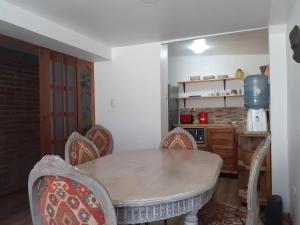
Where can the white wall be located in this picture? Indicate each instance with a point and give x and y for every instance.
(164, 59)
(182, 67)
(131, 81)
(293, 84)
(278, 88)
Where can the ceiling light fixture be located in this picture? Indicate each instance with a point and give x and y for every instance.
(199, 46)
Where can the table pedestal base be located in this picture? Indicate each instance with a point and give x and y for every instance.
(191, 218)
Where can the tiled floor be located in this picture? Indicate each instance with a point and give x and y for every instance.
(14, 209)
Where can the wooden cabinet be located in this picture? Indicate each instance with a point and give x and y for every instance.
(247, 144)
(222, 142)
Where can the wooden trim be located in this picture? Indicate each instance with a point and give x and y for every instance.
(19, 45)
(79, 124)
(44, 57)
(92, 93)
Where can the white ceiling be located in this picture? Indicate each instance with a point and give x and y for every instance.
(125, 22)
(250, 42)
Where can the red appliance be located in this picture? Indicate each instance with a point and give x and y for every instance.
(186, 118)
(202, 117)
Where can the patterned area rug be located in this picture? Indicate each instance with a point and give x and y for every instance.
(215, 213)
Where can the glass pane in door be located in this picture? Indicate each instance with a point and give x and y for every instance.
(86, 106)
(70, 98)
(57, 133)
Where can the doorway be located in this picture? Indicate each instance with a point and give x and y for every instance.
(19, 115)
(44, 97)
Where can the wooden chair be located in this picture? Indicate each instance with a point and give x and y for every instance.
(61, 194)
(79, 149)
(102, 138)
(178, 138)
(220, 214)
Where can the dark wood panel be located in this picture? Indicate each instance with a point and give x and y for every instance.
(44, 58)
(222, 142)
(19, 116)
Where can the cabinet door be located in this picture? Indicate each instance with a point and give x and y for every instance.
(222, 142)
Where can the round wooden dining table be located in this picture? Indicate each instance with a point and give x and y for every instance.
(151, 185)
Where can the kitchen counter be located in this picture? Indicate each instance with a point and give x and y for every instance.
(253, 133)
(197, 125)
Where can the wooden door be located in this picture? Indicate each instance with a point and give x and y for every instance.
(222, 142)
(85, 95)
(66, 99)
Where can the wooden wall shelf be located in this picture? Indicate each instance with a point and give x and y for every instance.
(205, 97)
(210, 80)
(224, 80)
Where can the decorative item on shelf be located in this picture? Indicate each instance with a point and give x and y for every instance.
(265, 70)
(233, 92)
(295, 43)
(209, 77)
(195, 77)
(186, 118)
(203, 118)
(239, 73)
(222, 76)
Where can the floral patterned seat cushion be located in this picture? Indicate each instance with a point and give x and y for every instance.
(177, 141)
(65, 202)
(81, 151)
(102, 140)
(215, 213)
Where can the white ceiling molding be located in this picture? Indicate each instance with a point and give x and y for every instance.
(254, 42)
(212, 35)
(24, 25)
(121, 23)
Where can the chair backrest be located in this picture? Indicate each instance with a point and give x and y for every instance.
(102, 138)
(178, 138)
(61, 194)
(79, 149)
(252, 196)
